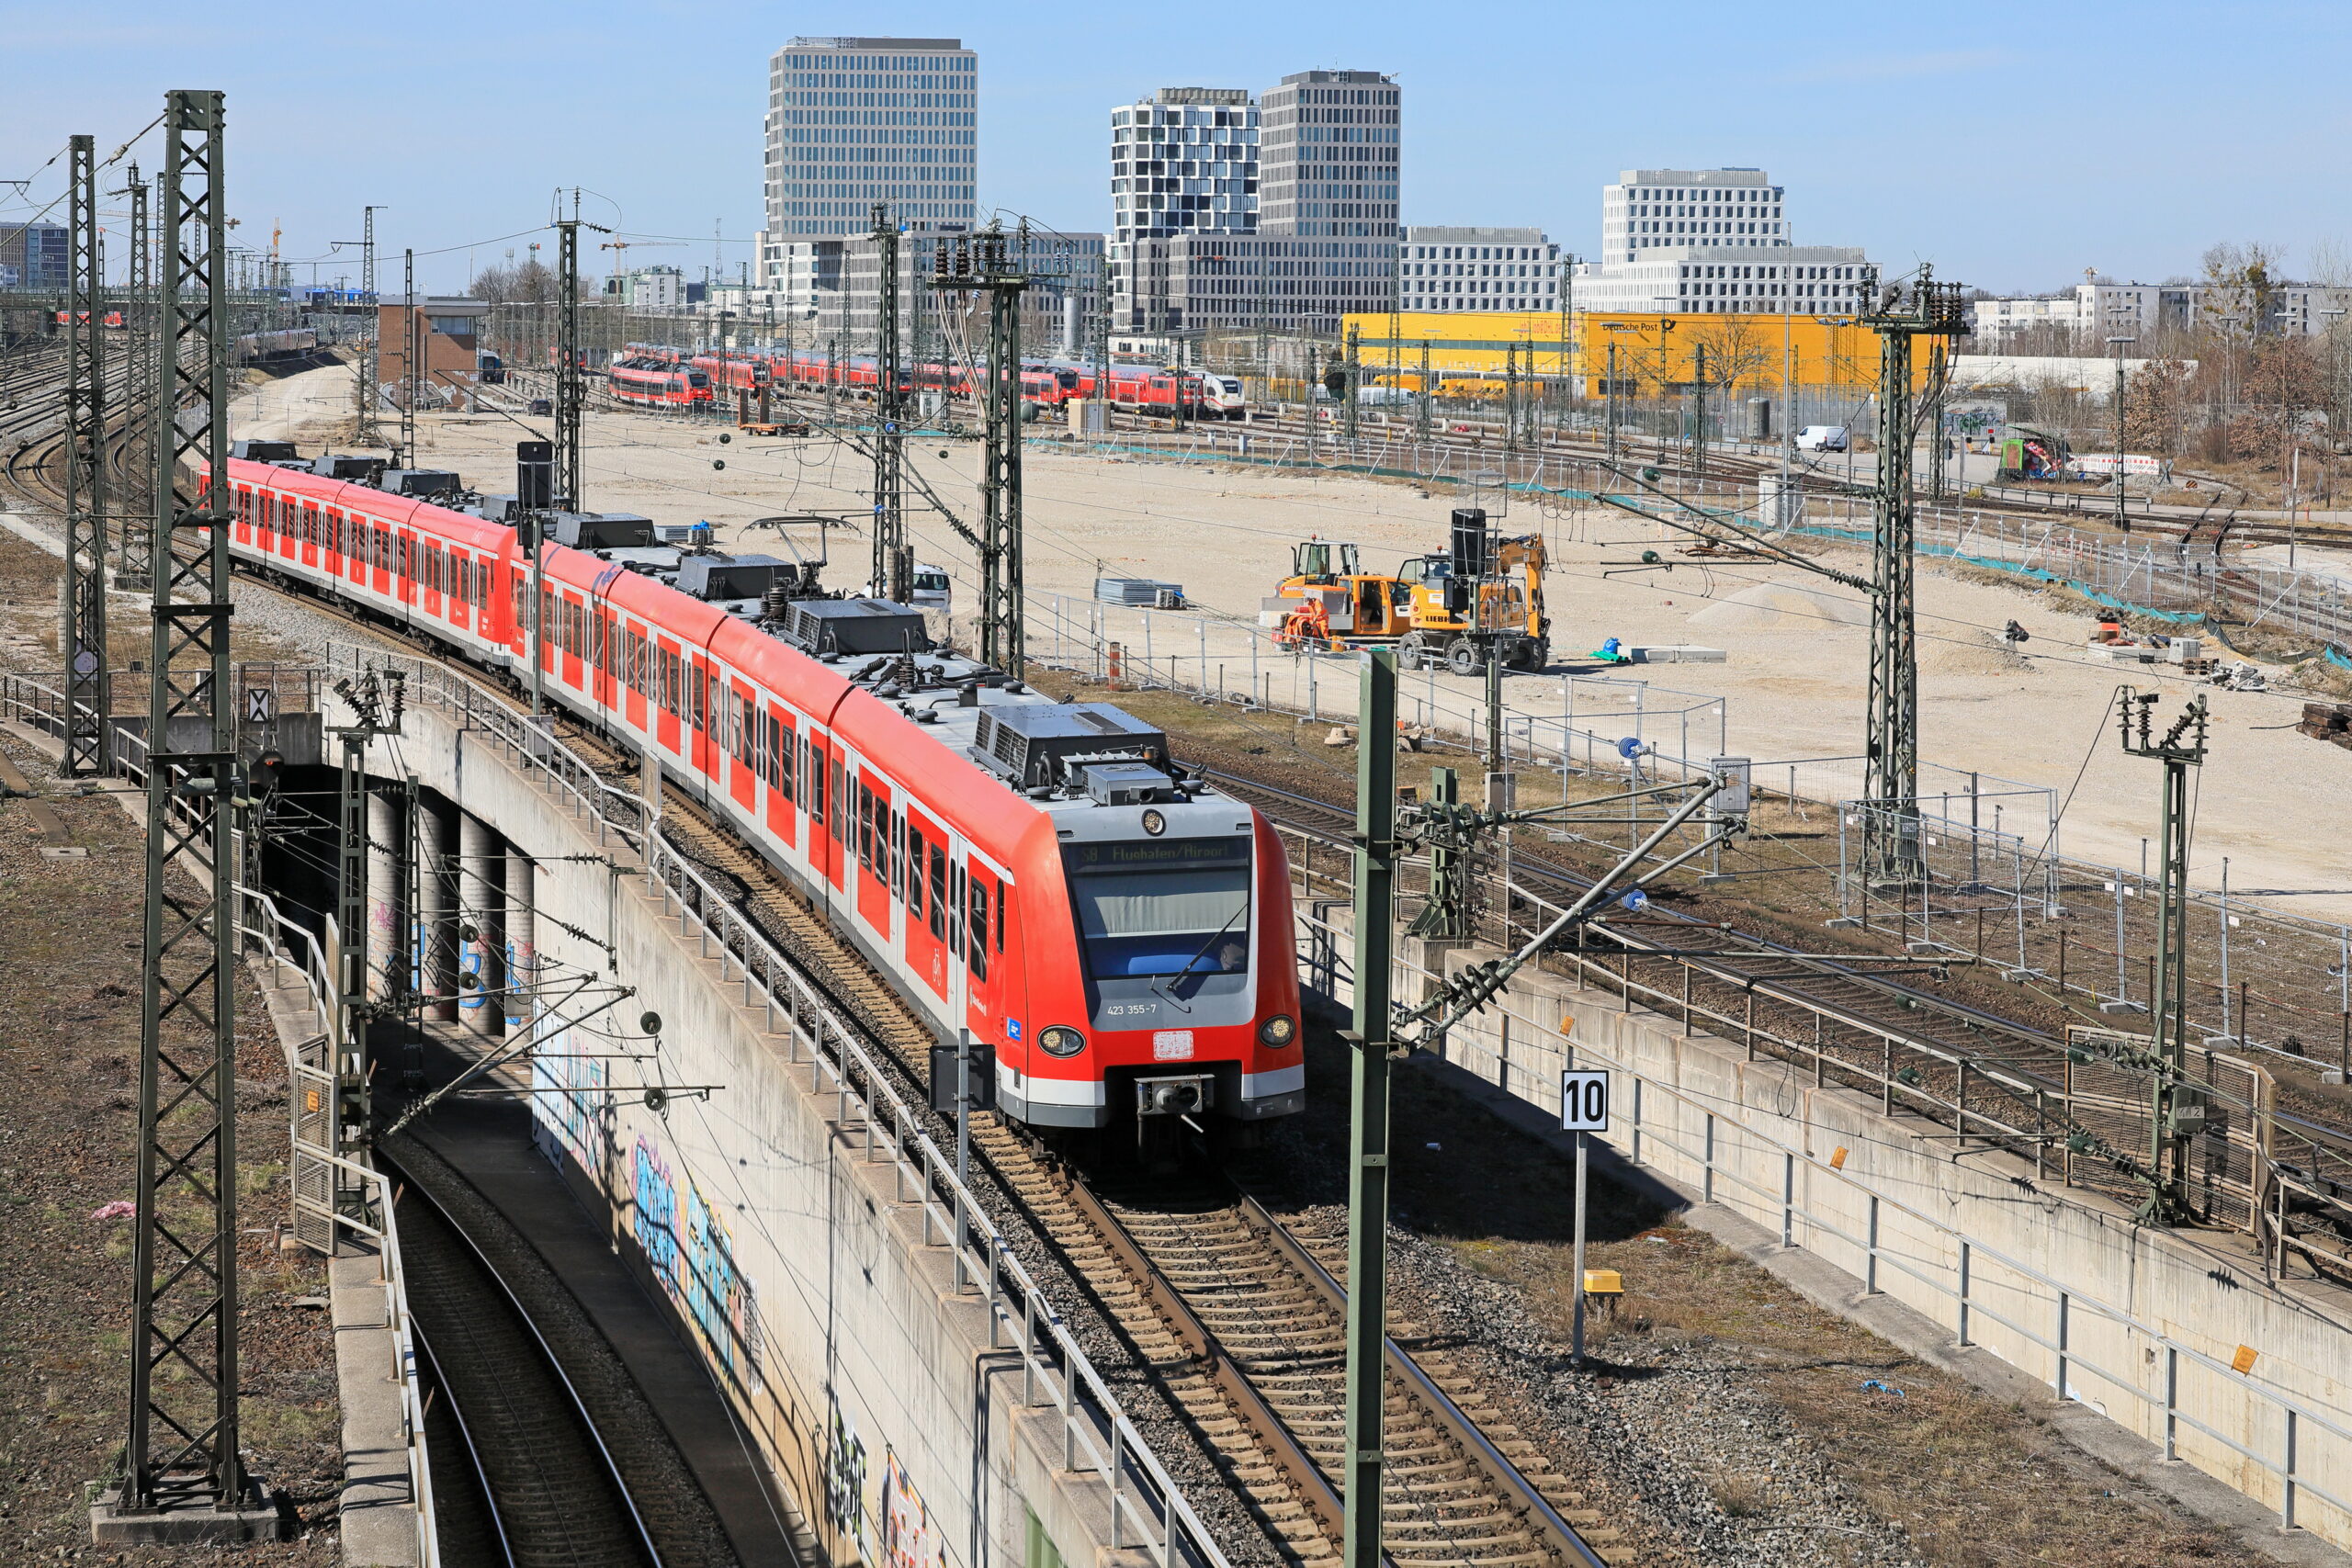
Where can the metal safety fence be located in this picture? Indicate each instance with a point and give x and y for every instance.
(2284, 1447)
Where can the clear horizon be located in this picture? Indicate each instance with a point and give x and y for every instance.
(2035, 145)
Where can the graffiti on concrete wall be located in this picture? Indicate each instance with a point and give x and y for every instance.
(569, 1102)
(690, 1250)
(910, 1539)
(845, 1486)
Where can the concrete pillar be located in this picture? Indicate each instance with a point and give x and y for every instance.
(387, 953)
(481, 861)
(521, 939)
(437, 922)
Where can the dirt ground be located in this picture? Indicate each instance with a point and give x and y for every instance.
(69, 987)
(1794, 683)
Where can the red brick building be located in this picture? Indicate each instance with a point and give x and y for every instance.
(447, 328)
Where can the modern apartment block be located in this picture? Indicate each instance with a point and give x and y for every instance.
(1325, 241)
(1712, 242)
(853, 121)
(33, 255)
(2102, 308)
(1453, 268)
(1184, 161)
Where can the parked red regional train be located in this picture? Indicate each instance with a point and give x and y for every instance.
(1033, 871)
(658, 385)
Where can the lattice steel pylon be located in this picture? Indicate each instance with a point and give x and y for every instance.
(893, 571)
(135, 513)
(1891, 848)
(410, 346)
(895, 562)
(182, 1445)
(370, 389)
(570, 390)
(984, 264)
(82, 591)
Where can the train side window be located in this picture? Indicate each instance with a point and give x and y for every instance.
(938, 890)
(1000, 917)
(956, 913)
(897, 859)
(842, 810)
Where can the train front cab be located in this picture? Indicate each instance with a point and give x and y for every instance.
(1183, 1001)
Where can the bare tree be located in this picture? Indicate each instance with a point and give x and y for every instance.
(1735, 349)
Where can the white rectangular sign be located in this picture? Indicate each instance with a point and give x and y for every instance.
(1584, 1101)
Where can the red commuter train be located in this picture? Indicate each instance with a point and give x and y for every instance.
(1034, 872)
(649, 385)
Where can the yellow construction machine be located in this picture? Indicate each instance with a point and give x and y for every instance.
(1483, 595)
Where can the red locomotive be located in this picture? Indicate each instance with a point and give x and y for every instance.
(1037, 873)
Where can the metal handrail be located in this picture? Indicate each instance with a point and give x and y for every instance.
(271, 931)
(1093, 1421)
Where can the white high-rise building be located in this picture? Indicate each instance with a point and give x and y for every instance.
(1449, 269)
(1324, 244)
(1651, 209)
(853, 121)
(1329, 159)
(1712, 242)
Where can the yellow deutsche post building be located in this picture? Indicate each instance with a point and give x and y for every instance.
(1471, 353)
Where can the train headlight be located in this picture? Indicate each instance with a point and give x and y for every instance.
(1154, 823)
(1278, 1031)
(1060, 1041)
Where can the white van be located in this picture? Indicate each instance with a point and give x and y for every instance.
(1822, 438)
(933, 591)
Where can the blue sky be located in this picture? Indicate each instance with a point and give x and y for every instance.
(2012, 144)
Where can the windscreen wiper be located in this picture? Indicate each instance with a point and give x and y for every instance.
(1214, 936)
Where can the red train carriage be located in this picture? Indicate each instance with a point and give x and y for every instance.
(1036, 873)
(658, 385)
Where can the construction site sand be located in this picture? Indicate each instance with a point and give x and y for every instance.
(1786, 607)
(2271, 801)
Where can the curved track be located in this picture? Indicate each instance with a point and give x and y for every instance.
(555, 1496)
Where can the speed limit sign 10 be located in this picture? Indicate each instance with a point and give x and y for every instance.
(1584, 1101)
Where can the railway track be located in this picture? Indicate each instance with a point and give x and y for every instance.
(1239, 1320)
(542, 1481)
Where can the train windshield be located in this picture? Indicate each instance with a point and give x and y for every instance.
(1162, 907)
(697, 378)
(1066, 379)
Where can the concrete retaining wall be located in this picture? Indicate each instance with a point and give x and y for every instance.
(2151, 1328)
(788, 1250)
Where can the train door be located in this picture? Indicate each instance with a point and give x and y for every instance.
(874, 852)
(828, 812)
(742, 729)
(668, 699)
(779, 753)
(379, 559)
(568, 640)
(637, 651)
(926, 902)
(975, 915)
(702, 690)
(310, 534)
(331, 545)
